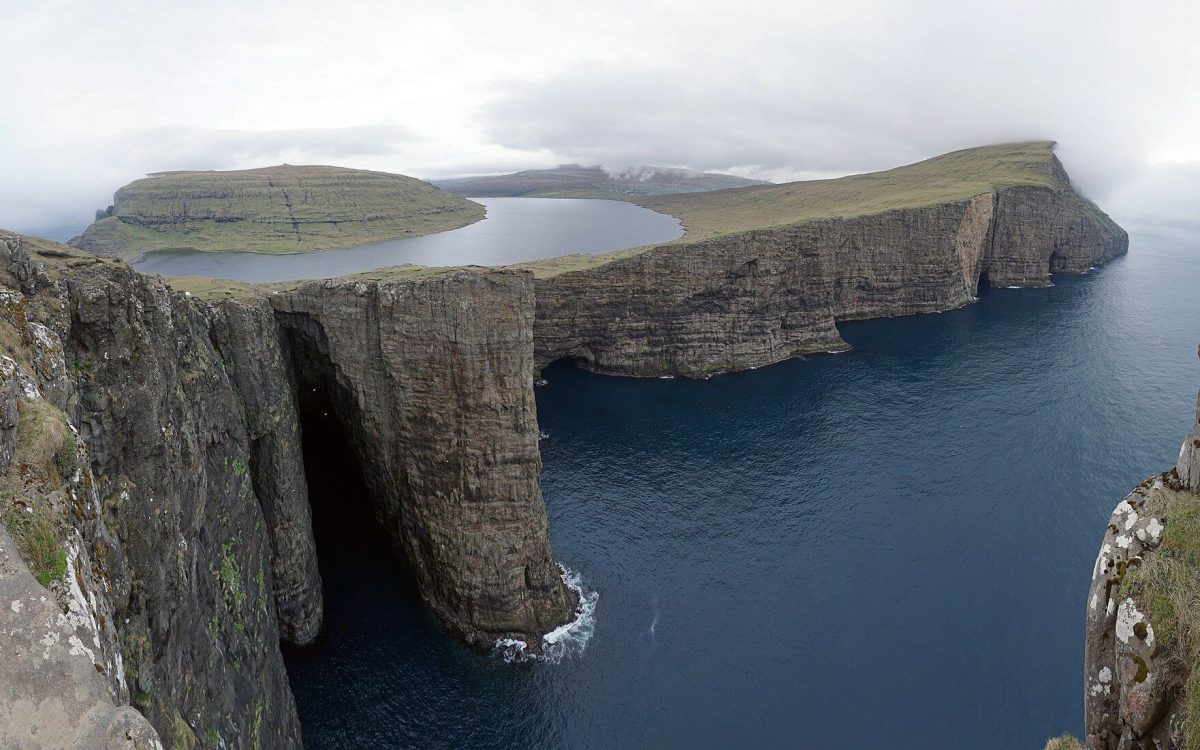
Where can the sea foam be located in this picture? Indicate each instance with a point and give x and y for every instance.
(566, 640)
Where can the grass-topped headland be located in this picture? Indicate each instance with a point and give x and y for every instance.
(950, 177)
(955, 176)
(282, 209)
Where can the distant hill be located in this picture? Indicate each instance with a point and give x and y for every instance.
(574, 181)
(282, 209)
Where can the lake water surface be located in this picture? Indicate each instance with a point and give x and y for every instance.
(515, 230)
(888, 548)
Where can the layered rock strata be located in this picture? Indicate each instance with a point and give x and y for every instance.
(757, 297)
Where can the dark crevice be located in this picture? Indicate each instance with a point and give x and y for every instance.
(330, 428)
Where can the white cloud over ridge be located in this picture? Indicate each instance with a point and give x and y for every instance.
(99, 95)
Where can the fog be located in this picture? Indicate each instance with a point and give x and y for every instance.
(97, 95)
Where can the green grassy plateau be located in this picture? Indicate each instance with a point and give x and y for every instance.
(950, 177)
(284, 209)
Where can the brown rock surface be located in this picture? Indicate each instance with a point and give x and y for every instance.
(432, 375)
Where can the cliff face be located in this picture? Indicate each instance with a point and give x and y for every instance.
(1142, 655)
(433, 378)
(752, 298)
(187, 524)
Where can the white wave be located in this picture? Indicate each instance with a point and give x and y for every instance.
(666, 377)
(543, 436)
(570, 639)
(541, 382)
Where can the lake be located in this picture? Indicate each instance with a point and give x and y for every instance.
(515, 230)
(888, 548)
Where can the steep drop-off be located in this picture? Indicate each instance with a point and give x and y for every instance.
(764, 274)
(153, 448)
(283, 209)
(1142, 663)
(187, 527)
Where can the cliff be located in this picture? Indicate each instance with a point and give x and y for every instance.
(1142, 654)
(184, 518)
(150, 434)
(283, 209)
(765, 273)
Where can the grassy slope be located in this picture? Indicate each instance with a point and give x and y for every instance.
(590, 182)
(950, 177)
(282, 209)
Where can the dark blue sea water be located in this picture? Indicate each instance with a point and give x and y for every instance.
(888, 548)
(515, 230)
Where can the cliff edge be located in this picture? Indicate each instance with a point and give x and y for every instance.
(765, 273)
(153, 481)
(1142, 654)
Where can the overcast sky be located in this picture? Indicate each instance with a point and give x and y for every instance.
(94, 95)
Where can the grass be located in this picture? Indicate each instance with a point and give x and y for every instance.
(33, 533)
(1064, 742)
(211, 290)
(283, 209)
(41, 434)
(45, 452)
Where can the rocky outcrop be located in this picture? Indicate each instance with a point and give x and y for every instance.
(758, 297)
(53, 696)
(1141, 675)
(432, 375)
(193, 577)
(187, 524)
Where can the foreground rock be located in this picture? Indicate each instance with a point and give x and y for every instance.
(184, 515)
(54, 694)
(1142, 673)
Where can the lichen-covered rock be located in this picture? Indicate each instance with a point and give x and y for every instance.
(1140, 660)
(53, 695)
(432, 374)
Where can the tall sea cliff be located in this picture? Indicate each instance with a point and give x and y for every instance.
(151, 438)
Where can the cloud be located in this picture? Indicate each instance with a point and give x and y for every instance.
(775, 89)
(907, 83)
(79, 176)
